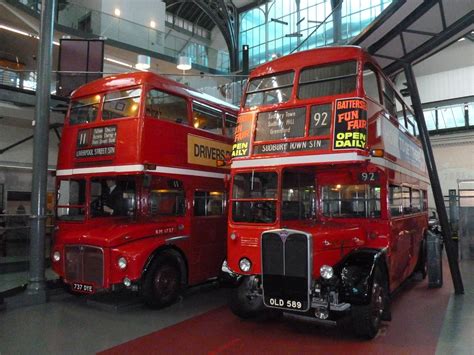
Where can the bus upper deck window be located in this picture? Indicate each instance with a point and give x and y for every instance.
(165, 106)
(120, 104)
(84, 110)
(328, 79)
(269, 89)
(207, 118)
(371, 85)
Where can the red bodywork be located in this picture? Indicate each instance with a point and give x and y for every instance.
(144, 149)
(333, 238)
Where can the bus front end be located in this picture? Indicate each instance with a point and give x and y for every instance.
(328, 191)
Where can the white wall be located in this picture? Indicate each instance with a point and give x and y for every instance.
(138, 11)
(447, 75)
(454, 157)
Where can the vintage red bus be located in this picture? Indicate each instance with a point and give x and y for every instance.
(141, 202)
(328, 190)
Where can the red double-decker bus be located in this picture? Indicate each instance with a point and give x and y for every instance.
(141, 202)
(328, 208)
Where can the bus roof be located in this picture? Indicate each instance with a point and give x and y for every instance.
(309, 58)
(121, 81)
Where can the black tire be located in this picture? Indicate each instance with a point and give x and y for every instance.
(244, 305)
(422, 265)
(366, 319)
(162, 282)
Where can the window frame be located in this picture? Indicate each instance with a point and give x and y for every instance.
(268, 89)
(207, 199)
(373, 69)
(98, 114)
(149, 89)
(353, 75)
(105, 101)
(206, 110)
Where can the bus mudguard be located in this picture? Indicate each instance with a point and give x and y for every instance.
(356, 272)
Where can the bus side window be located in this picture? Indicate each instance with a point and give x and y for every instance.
(371, 83)
(207, 118)
(167, 107)
(208, 203)
(416, 201)
(395, 200)
(406, 195)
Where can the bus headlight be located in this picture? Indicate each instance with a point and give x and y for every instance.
(56, 256)
(245, 264)
(122, 263)
(326, 272)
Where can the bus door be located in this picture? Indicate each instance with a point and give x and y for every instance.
(209, 229)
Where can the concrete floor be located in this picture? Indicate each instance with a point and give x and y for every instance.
(457, 334)
(69, 325)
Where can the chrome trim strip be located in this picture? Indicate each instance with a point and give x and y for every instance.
(180, 171)
(174, 239)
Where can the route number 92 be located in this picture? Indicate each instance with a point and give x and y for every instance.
(369, 177)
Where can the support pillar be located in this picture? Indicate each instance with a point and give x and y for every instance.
(35, 292)
(435, 184)
(336, 6)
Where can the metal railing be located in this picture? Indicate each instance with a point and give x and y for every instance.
(100, 24)
(225, 87)
(15, 233)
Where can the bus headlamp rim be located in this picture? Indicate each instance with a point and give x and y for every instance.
(245, 264)
(326, 272)
(122, 263)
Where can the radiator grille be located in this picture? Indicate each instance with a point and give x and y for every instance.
(286, 268)
(84, 264)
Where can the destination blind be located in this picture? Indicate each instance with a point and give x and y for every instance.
(276, 125)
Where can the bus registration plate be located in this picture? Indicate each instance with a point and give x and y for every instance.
(83, 288)
(286, 304)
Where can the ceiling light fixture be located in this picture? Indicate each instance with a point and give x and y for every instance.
(184, 63)
(143, 62)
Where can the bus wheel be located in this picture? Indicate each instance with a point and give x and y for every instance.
(366, 318)
(162, 283)
(422, 266)
(244, 300)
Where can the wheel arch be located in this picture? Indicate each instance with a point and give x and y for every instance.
(357, 271)
(173, 252)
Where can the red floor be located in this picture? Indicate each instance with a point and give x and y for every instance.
(417, 314)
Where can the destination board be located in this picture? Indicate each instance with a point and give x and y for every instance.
(288, 147)
(98, 141)
(276, 125)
